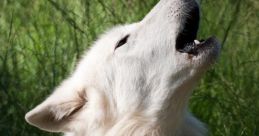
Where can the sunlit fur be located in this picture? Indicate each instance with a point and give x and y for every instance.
(140, 89)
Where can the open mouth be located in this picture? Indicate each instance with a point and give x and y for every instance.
(185, 42)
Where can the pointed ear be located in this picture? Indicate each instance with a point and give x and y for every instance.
(55, 113)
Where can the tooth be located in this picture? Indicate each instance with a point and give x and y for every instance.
(197, 42)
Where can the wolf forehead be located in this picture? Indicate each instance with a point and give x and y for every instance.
(107, 46)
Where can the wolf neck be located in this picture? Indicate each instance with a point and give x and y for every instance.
(173, 107)
(173, 112)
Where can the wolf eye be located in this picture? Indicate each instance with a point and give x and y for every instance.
(122, 42)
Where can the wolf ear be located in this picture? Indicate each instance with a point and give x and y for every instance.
(55, 113)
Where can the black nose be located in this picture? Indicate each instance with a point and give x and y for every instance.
(190, 27)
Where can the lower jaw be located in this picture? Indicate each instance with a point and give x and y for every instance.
(193, 48)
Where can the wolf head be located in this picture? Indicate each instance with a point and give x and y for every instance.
(135, 80)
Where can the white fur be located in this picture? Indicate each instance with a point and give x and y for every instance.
(139, 89)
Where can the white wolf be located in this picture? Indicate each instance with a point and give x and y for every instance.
(136, 80)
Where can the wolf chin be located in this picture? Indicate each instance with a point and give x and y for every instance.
(135, 80)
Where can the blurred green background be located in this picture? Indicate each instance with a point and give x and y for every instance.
(42, 40)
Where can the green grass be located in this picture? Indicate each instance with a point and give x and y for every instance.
(41, 41)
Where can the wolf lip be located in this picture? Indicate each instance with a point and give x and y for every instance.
(190, 48)
(197, 46)
(193, 47)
